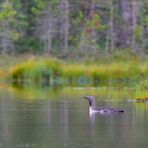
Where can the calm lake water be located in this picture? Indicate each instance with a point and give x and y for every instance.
(59, 118)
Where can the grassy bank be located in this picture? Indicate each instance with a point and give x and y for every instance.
(141, 91)
(52, 71)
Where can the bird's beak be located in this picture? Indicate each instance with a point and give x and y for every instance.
(85, 97)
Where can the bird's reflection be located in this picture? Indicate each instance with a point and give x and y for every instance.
(92, 117)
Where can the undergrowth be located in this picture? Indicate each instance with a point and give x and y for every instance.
(56, 71)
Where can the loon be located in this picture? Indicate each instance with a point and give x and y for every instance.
(102, 110)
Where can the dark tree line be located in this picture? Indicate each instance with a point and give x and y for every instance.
(63, 27)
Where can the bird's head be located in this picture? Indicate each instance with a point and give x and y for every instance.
(91, 100)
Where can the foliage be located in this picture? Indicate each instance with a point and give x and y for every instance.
(141, 92)
(55, 71)
(89, 27)
(32, 45)
(7, 17)
(36, 70)
(143, 84)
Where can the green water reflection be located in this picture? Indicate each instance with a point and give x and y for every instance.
(43, 117)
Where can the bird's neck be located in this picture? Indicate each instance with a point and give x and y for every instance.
(91, 105)
(91, 110)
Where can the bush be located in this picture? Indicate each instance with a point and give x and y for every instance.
(54, 71)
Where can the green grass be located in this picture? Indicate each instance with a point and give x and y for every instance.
(54, 71)
(36, 70)
(143, 85)
(141, 92)
(7, 61)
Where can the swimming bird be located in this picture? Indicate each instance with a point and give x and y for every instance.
(102, 110)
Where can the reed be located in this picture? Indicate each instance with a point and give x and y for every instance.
(141, 95)
(141, 92)
(55, 71)
(143, 84)
(2, 73)
(77, 74)
(36, 70)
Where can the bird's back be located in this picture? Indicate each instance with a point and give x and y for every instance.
(109, 110)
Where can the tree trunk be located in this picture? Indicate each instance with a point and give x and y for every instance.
(48, 35)
(64, 9)
(92, 36)
(7, 44)
(88, 40)
(134, 25)
(111, 26)
(125, 32)
(47, 27)
(144, 31)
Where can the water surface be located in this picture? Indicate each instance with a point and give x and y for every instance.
(59, 118)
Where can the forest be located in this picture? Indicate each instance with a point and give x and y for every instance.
(74, 29)
(73, 73)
